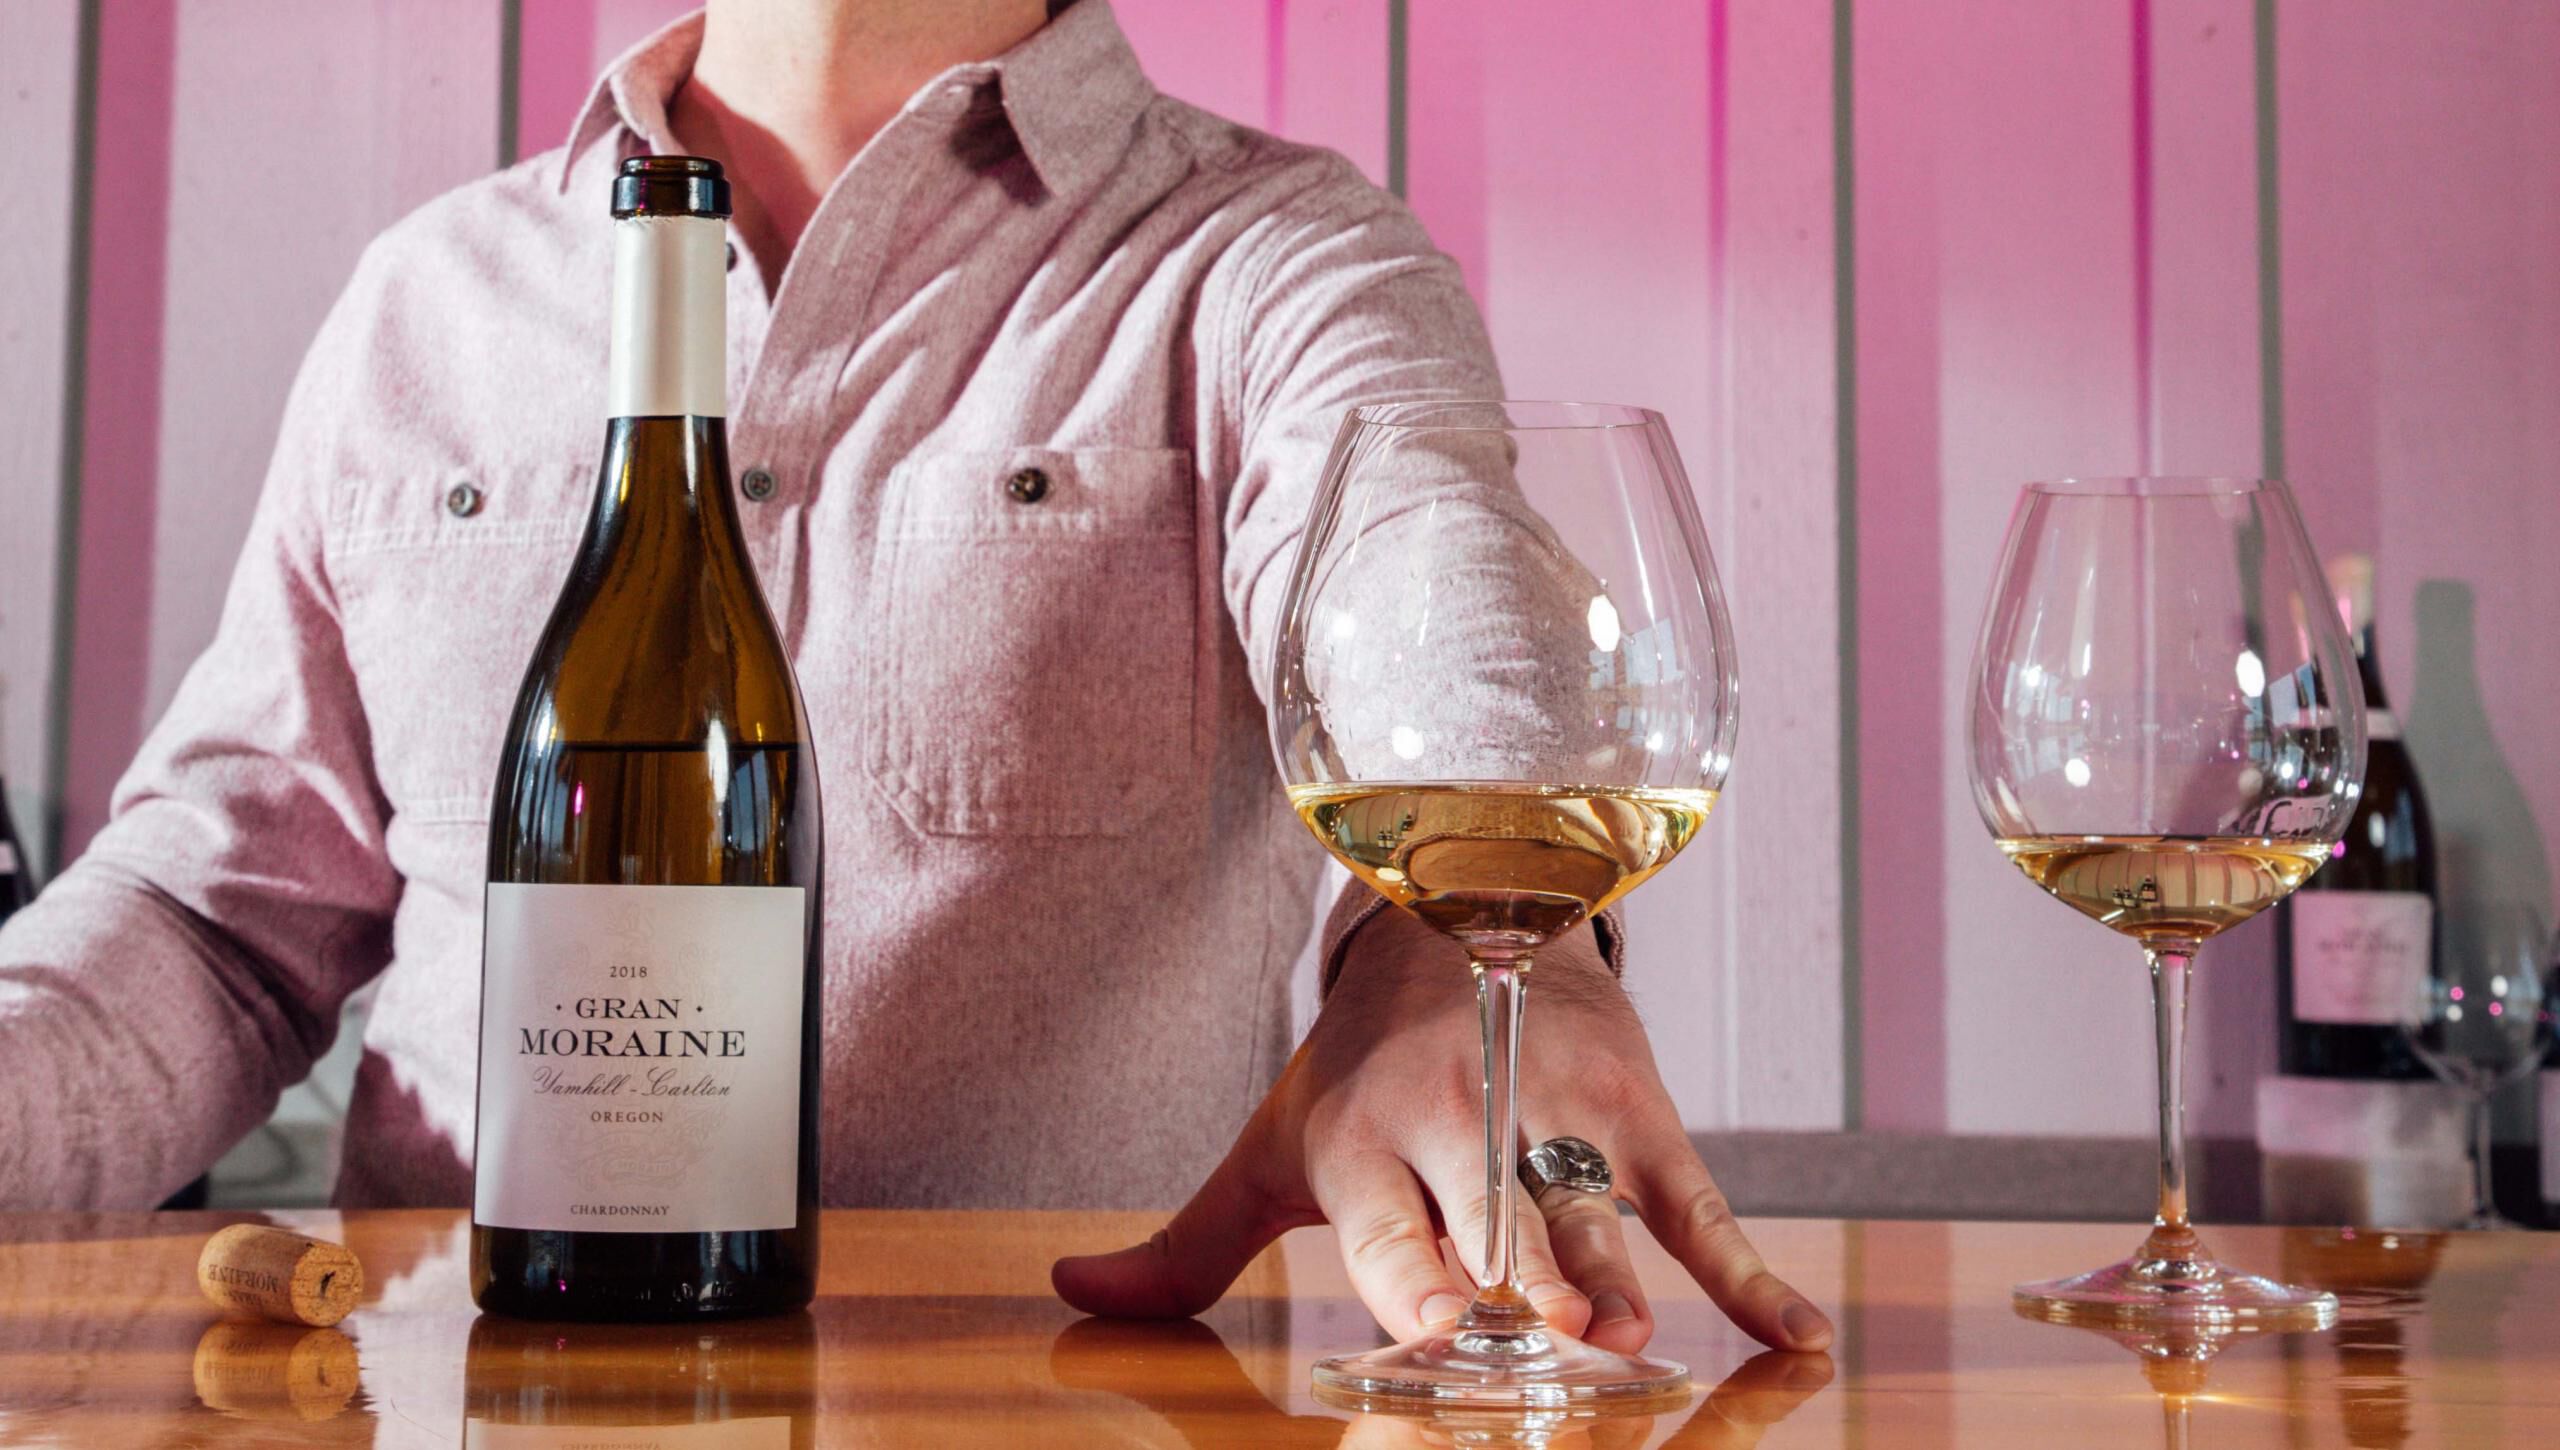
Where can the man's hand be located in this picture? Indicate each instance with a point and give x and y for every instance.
(1376, 1127)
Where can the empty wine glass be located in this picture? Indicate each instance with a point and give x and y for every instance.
(1503, 697)
(2481, 1018)
(2167, 737)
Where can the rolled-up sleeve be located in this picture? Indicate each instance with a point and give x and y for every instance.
(1344, 302)
(190, 966)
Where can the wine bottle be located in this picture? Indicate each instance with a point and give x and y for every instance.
(17, 873)
(2547, 1138)
(647, 1140)
(2353, 944)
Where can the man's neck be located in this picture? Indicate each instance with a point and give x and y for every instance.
(786, 92)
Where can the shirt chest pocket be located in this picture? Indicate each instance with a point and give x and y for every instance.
(1034, 628)
(444, 595)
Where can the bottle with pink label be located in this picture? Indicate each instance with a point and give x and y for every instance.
(2356, 941)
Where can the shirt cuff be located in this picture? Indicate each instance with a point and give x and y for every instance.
(1358, 902)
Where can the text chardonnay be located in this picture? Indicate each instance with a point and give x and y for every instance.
(649, 1007)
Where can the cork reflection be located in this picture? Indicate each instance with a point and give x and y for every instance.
(275, 1372)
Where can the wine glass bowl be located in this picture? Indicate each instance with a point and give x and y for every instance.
(2481, 1018)
(2167, 736)
(1503, 695)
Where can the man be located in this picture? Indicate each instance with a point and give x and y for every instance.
(972, 245)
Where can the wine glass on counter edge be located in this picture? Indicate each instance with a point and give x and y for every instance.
(1503, 696)
(2481, 1019)
(2167, 736)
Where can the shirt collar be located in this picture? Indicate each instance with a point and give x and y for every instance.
(1070, 92)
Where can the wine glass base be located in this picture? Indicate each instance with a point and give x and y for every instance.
(2146, 1293)
(1526, 1368)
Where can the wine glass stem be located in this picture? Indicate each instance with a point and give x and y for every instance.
(1502, 989)
(2172, 1237)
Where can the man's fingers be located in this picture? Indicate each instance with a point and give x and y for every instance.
(1591, 1249)
(1192, 1260)
(1456, 1181)
(1388, 1242)
(1689, 1215)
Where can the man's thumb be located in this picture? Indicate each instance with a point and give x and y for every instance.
(1192, 1260)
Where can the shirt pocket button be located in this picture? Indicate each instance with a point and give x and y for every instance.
(462, 500)
(1028, 485)
(757, 484)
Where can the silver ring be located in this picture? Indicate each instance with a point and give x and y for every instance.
(1568, 1163)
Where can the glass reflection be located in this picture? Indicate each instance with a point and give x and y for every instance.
(741, 1385)
(1185, 1374)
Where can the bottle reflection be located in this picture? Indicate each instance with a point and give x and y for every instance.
(744, 1385)
(260, 1371)
(2380, 1278)
(1185, 1374)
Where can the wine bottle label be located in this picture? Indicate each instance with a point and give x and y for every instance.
(764, 1432)
(640, 1058)
(2358, 956)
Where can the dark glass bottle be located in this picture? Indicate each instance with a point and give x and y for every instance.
(648, 1107)
(17, 873)
(2354, 941)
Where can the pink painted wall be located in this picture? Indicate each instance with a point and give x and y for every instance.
(39, 113)
(2052, 247)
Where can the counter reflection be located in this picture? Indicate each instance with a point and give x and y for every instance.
(1185, 1374)
(743, 1385)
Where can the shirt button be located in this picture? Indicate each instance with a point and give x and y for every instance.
(1028, 485)
(757, 484)
(462, 500)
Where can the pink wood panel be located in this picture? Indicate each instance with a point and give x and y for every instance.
(2201, 363)
(1217, 54)
(1329, 85)
(196, 111)
(1997, 344)
(120, 455)
(1311, 70)
(1445, 159)
(556, 62)
(1774, 294)
(1903, 935)
(562, 46)
(2421, 219)
(39, 98)
(1596, 233)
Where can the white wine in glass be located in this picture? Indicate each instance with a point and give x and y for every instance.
(1503, 697)
(2168, 737)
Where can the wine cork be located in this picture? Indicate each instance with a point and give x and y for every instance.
(277, 1274)
(275, 1371)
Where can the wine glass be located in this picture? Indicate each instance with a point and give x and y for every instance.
(2167, 737)
(2480, 1019)
(1503, 696)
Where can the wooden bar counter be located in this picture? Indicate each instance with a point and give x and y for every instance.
(939, 1329)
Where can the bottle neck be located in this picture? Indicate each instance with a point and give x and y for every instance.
(2380, 722)
(670, 318)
